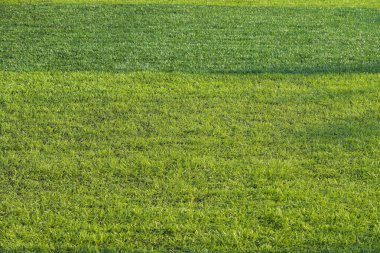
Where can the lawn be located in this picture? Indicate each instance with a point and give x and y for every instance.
(195, 39)
(189, 128)
(278, 3)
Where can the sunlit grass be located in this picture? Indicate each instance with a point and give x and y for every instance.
(189, 162)
(142, 127)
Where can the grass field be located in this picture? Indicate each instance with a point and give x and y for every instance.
(190, 128)
(279, 3)
(116, 38)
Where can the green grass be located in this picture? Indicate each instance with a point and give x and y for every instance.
(189, 163)
(194, 39)
(281, 3)
(142, 127)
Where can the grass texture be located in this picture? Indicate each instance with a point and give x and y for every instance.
(185, 163)
(277, 3)
(193, 39)
(190, 128)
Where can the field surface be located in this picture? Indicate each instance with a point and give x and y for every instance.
(188, 126)
(279, 3)
(196, 39)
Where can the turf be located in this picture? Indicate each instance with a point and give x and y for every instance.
(280, 3)
(192, 39)
(189, 163)
(141, 127)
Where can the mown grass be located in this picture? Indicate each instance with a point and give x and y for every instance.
(189, 163)
(268, 141)
(195, 39)
(281, 3)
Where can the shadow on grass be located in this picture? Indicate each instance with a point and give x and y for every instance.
(328, 69)
(348, 134)
(365, 127)
(340, 148)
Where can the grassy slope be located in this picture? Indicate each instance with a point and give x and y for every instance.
(291, 3)
(184, 162)
(195, 39)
